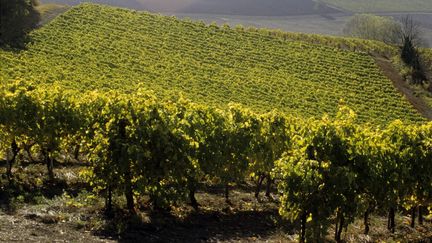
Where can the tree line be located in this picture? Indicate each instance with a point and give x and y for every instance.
(327, 171)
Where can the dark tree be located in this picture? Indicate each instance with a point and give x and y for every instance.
(410, 35)
(17, 18)
(408, 52)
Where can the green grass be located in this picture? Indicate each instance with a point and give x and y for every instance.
(426, 54)
(382, 5)
(99, 47)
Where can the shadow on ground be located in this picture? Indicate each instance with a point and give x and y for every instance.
(29, 184)
(199, 226)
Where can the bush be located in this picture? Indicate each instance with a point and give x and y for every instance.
(17, 18)
(367, 26)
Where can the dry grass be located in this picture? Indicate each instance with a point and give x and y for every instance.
(50, 10)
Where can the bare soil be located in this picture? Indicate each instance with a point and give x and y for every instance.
(34, 210)
(29, 227)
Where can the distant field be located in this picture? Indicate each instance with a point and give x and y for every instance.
(264, 8)
(305, 16)
(222, 7)
(100, 47)
(382, 5)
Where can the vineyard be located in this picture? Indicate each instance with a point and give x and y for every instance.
(93, 47)
(328, 171)
(156, 110)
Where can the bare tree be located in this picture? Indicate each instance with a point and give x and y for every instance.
(410, 31)
(410, 34)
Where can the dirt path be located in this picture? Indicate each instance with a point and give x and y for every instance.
(388, 70)
(31, 228)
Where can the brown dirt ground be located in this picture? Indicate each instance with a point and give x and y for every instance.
(24, 227)
(65, 212)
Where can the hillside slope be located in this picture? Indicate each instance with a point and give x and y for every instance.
(100, 47)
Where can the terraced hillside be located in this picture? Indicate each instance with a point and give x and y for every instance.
(100, 47)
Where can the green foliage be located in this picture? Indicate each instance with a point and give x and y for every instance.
(411, 57)
(426, 57)
(17, 18)
(271, 139)
(368, 26)
(338, 170)
(162, 144)
(27, 117)
(327, 171)
(408, 53)
(259, 69)
(321, 182)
